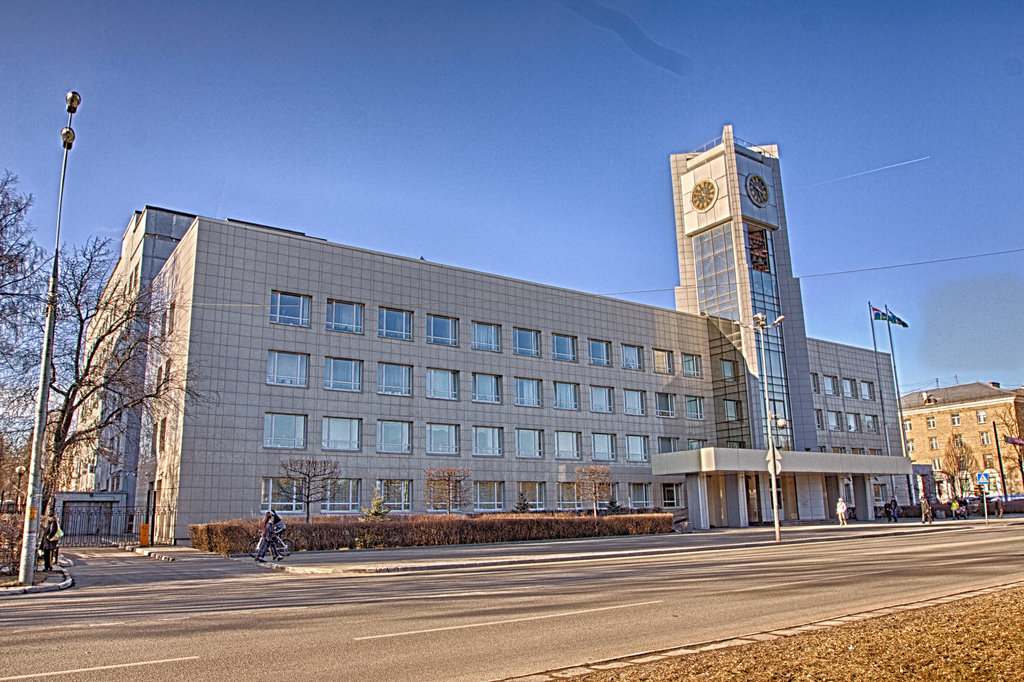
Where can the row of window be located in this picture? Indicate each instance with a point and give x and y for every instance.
(854, 422)
(396, 437)
(392, 323)
(852, 388)
(344, 496)
(984, 438)
(954, 418)
(341, 374)
(842, 450)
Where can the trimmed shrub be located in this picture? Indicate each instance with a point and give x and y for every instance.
(329, 533)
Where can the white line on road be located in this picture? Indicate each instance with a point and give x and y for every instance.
(100, 667)
(804, 582)
(510, 620)
(103, 625)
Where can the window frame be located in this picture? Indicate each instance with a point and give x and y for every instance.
(496, 433)
(384, 388)
(637, 457)
(405, 445)
(490, 398)
(664, 361)
(276, 378)
(331, 323)
(452, 438)
(450, 388)
(450, 339)
(355, 385)
(669, 410)
(517, 349)
(277, 305)
(574, 396)
(633, 364)
(566, 354)
(697, 402)
(492, 346)
(574, 441)
(352, 505)
(353, 446)
(297, 442)
(539, 450)
(521, 400)
(693, 366)
(594, 360)
(385, 330)
(610, 439)
(638, 410)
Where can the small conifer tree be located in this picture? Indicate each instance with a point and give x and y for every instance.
(377, 511)
(521, 506)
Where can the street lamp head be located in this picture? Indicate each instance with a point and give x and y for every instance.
(20, 470)
(760, 319)
(68, 137)
(73, 100)
(778, 320)
(781, 422)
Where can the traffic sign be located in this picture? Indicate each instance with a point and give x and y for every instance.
(982, 478)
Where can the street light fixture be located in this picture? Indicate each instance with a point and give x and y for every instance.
(33, 496)
(761, 325)
(20, 470)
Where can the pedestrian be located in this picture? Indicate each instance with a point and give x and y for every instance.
(50, 535)
(954, 509)
(271, 526)
(999, 507)
(841, 511)
(894, 510)
(926, 511)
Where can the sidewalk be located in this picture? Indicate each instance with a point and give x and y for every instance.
(447, 557)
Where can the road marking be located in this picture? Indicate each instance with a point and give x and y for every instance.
(510, 620)
(103, 625)
(805, 582)
(101, 667)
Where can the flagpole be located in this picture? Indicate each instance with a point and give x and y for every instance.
(896, 382)
(878, 374)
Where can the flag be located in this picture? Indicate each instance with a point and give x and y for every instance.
(894, 319)
(1013, 441)
(879, 315)
(887, 316)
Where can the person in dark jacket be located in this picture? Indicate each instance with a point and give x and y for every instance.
(51, 535)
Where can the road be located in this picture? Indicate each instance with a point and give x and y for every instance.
(133, 618)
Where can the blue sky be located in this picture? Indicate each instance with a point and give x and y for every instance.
(531, 139)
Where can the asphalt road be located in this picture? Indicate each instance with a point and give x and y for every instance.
(133, 618)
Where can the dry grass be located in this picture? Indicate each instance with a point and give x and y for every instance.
(980, 638)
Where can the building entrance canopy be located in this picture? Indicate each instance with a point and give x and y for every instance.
(736, 460)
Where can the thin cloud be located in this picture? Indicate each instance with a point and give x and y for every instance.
(632, 35)
(873, 170)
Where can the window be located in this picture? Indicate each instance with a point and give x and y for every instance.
(666, 404)
(694, 407)
(640, 496)
(634, 402)
(933, 443)
(442, 439)
(731, 410)
(849, 388)
(955, 418)
(528, 392)
(667, 444)
(632, 357)
(852, 421)
(870, 423)
(289, 309)
(600, 399)
(982, 416)
(831, 384)
(287, 369)
(442, 384)
(815, 384)
(910, 445)
(486, 336)
(397, 494)
(529, 443)
(343, 375)
(394, 437)
(600, 352)
(344, 317)
(342, 496)
(692, 365)
(937, 464)
(867, 390)
(671, 495)
(819, 420)
(907, 425)
(567, 396)
(486, 388)
(487, 441)
(636, 448)
(604, 446)
(986, 438)
(394, 379)
(835, 421)
(729, 371)
(958, 440)
(532, 492)
(930, 422)
(284, 430)
(567, 497)
(443, 331)
(489, 495)
(664, 362)
(563, 347)
(340, 434)
(281, 495)
(394, 324)
(567, 445)
(526, 342)
(698, 443)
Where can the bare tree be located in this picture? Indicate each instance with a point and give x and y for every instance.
(22, 276)
(448, 487)
(593, 484)
(314, 477)
(959, 463)
(1009, 420)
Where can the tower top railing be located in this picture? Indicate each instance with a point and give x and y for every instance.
(760, 149)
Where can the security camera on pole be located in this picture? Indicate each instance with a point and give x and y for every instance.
(34, 493)
(774, 464)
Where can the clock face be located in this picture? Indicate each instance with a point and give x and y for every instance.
(703, 195)
(757, 190)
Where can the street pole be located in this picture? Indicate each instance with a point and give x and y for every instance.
(760, 324)
(34, 493)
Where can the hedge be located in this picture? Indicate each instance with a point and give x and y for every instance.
(330, 533)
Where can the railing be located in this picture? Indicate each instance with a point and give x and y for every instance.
(11, 527)
(97, 525)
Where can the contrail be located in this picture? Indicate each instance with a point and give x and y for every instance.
(873, 170)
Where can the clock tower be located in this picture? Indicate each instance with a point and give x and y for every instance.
(734, 262)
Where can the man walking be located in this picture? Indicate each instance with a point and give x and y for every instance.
(926, 511)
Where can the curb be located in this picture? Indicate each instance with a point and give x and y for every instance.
(152, 554)
(48, 586)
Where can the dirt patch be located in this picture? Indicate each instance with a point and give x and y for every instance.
(12, 580)
(980, 638)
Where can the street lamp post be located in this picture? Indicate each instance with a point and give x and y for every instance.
(761, 325)
(34, 494)
(20, 470)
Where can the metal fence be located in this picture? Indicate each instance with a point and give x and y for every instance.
(11, 527)
(95, 524)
